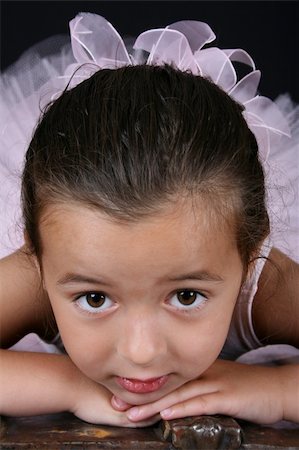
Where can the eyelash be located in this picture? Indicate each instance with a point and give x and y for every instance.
(187, 309)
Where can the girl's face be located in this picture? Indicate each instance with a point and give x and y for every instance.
(141, 307)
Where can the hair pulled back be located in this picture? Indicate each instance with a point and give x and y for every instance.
(128, 140)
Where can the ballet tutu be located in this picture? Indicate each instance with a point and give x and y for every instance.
(42, 73)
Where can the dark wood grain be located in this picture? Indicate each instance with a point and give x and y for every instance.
(64, 431)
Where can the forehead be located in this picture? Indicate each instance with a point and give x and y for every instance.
(181, 231)
(191, 217)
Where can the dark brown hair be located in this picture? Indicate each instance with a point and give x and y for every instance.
(129, 140)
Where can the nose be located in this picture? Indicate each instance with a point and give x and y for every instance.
(142, 342)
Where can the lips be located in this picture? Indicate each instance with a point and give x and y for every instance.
(142, 386)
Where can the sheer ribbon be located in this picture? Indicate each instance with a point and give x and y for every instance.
(96, 45)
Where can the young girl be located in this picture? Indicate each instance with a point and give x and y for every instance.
(147, 257)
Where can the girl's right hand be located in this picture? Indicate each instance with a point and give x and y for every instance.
(93, 404)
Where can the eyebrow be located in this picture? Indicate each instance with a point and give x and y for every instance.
(201, 275)
(70, 278)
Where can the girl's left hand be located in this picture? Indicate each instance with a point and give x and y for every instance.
(253, 393)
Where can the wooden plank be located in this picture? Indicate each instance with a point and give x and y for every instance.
(64, 431)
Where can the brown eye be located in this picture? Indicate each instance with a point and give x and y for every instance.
(187, 297)
(95, 299)
(94, 303)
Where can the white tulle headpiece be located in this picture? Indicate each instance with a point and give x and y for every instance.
(97, 45)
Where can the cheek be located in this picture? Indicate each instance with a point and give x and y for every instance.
(200, 353)
(86, 341)
(88, 348)
(198, 345)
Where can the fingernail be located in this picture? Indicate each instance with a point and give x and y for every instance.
(167, 413)
(133, 413)
(119, 402)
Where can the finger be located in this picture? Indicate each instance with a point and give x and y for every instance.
(119, 419)
(144, 423)
(208, 404)
(118, 404)
(186, 392)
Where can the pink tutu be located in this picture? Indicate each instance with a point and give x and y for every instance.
(45, 70)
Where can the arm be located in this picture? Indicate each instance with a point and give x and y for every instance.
(255, 393)
(36, 383)
(276, 303)
(259, 394)
(276, 319)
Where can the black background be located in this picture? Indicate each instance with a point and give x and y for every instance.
(268, 30)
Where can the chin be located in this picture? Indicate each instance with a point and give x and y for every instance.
(140, 399)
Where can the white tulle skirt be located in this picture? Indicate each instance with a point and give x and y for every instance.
(28, 85)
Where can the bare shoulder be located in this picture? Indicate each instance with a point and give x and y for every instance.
(276, 303)
(25, 307)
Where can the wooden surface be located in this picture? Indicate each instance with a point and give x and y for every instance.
(64, 431)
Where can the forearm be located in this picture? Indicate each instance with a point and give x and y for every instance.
(290, 387)
(36, 383)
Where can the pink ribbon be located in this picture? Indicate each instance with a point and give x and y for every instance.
(97, 45)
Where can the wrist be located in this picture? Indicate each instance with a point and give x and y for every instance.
(80, 387)
(74, 384)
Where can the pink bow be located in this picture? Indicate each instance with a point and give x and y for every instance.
(97, 45)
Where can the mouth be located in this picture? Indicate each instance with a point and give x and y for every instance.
(142, 386)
